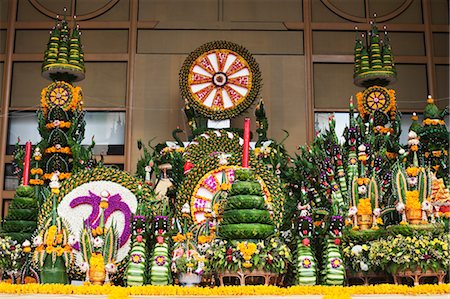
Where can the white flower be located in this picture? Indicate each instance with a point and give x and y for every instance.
(400, 207)
(54, 184)
(26, 243)
(401, 151)
(413, 142)
(186, 209)
(362, 190)
(56, 123)
(364, 266)
(223, 159)
(352, 211)
(412, 135)
(104, 194)
(37, 241)
(98, 242)
(377, 212)
(412, 181)
(362, 148)
(58, 146)
(84, 267)
(304, 213)
(111, 268)
(71, 240)
(426, 205)
(356, 249)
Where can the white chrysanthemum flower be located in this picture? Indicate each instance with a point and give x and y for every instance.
(400, 207)
(412, 135)
(364, 266)
(26, 243)
(356, 249)
(98, 242)
(377, 212)
(111, 268)
(84, 267)
(71, 240)
(352, 211)
(37, 241)
(362, 190)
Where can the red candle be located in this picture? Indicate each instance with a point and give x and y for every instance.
(245, 150)
(26, 163)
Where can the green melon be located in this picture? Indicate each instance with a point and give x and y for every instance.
(246, 231)
(245, 202)
(246, 216)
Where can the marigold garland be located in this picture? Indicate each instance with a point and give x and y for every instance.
(326, 291)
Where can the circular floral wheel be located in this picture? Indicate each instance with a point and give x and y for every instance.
(376, 98)
(220, 79)
(60, 94)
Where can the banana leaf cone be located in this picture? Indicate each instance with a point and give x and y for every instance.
(54, 271)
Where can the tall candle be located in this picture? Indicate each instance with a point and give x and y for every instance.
(245, 150)
(26, 163)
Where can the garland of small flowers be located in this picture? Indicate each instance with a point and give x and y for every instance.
(227, 113)
(220, 141)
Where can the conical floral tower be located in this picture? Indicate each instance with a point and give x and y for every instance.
(434, 138)
(374, 69)
(61, 115)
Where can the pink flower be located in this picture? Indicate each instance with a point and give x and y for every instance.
(177, 253)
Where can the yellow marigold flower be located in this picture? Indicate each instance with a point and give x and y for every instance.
(49, 249)
(412, 171)
(247, 265)
(412, 200)
(364, 207)
(59, 251)
(104, 204)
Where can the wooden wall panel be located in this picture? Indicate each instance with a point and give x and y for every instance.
(27, 12)
(157, 104)
(185, 41)
(412, 15)
(262, 10)
(441, 44)
(333, 42)
(411, 87)
(407, 43)
(442, 81)
(31, 41)
(1, 86)
(105, 84)
(119, 12)
(4, 10)
(439, 12)
(329, 88)
(321, 13)
(27, 84)
(179, 10)
(2, 41)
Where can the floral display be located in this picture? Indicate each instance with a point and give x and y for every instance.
(211, 207)
(270, 255)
